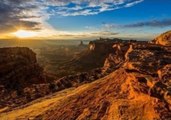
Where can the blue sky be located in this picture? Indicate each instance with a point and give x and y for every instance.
(145, 11)
(89, 19)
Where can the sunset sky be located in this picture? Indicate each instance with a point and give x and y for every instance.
(84, 19)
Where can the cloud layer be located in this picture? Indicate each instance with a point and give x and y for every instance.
(88, 7)
(152, 23)
(32, 14)
(16, 13)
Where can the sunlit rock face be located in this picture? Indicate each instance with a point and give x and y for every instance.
(139, 56)
(138, 86)
(164, 39)
(148, 59)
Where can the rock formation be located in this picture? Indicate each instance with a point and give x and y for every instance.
(18, 69)
(164, 39)
(22, 80)
(137, 88)
(133, 84)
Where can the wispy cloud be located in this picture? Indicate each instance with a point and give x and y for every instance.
(105, 33)
(133, 3)
(152, 23)
(78, 35)
(88, 7)
(109, 26)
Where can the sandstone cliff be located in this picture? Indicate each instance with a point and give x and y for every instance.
(18, 69)
(163, 39)
(138, 87)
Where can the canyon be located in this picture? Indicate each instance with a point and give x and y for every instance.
(129, 80)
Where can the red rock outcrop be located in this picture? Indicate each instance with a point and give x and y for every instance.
(18, 69)
(137, 88)
(163, 39)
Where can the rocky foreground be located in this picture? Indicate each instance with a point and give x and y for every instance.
(133, 84)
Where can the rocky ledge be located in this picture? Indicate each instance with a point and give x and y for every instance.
(163, 39)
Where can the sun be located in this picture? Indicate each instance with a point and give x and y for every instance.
(24, 34)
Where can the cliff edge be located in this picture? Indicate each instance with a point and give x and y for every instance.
(18, 69)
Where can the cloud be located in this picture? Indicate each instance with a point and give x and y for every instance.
(85, 35)
(152, 23)
(105, 33)
(133, 3)
(109, 26)
(33, 14)
(88, 7)
(90, 28)
(16, 13)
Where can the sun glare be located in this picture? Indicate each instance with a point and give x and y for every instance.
(24, 34)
